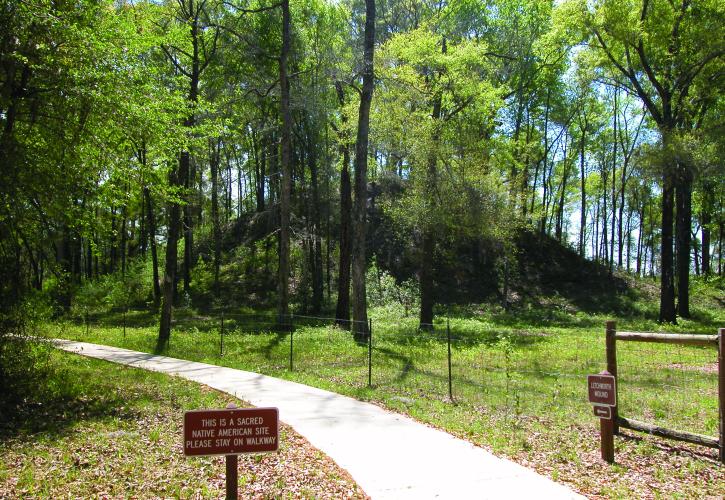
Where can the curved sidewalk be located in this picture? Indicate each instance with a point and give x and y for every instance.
(388, 455)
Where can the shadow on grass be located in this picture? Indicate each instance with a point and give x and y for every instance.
(64, 391)
(461, 337)
(274, 343)
(406, 362)
(56, 414)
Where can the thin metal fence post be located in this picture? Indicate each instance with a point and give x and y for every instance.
(721, 389)
(221, 336)
(291, 343)
(370, 352)
(88, 323)
(125, 309)
(450, 375)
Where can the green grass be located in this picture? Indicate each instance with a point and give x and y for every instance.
(519, 383)
(96, 429)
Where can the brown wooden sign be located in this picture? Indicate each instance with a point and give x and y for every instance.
(602, 389)
(231, 431)
(603, 411)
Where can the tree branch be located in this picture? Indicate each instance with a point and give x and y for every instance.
(253, 11)
(175, 62)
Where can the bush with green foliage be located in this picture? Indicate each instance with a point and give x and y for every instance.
(384, 291)
(115, 291)
(24, 362)
(202, 283)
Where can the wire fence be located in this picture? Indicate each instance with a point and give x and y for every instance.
(669, 385)
(499, 372)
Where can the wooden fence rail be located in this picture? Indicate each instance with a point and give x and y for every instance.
(717, 341)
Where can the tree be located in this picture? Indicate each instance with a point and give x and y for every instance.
(190, 60)
(663, 55)
(359, 259)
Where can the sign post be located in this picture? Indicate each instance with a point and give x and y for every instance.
(602, 390)
(232, 476)
(231, 432)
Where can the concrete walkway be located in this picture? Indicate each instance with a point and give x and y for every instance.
(388, 455)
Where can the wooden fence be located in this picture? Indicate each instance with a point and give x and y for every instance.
(716, 341)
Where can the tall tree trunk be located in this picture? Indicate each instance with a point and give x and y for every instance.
(113, 251)
(614, 184)
(172, 242)
(124, 237)
(152, 239)
(240, 194)
(286, 174)
(542, 221)
(638, 271)
(316, 244)
(596, 248)
(180, 179)
(696, 253)
(359, 262)
(628, 232)
(342, 312)
(89, 259)
(583, 214)
(705, 220)
(605, 246)
(721, 226)
(683, 194)
(560, 209)
(188, 228)
(620, 235)
(667, 284)
(429, 241)
(216, 230)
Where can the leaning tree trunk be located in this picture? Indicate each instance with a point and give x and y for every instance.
(359, 293)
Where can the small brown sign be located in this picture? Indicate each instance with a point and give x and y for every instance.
(603, 411)
(602, 389)
(231, 431)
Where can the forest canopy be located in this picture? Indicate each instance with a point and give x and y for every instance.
(274, 153)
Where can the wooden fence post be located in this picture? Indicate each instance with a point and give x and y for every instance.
(232, 470)
(611, 345)
(721, 389)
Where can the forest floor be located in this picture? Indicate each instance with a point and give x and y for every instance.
(99, 430)
(518, 382)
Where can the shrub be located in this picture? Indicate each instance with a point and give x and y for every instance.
(384, 291)
(115, 291)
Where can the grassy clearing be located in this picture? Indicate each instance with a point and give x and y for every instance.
(96, 429)
(518, 385)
